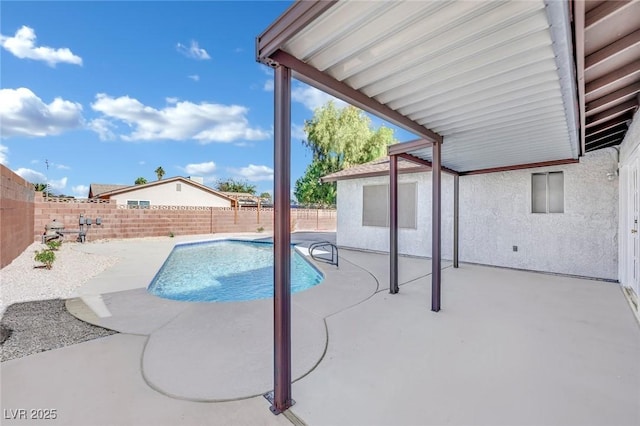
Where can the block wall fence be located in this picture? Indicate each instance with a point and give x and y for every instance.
(16, 215)
(123, 222)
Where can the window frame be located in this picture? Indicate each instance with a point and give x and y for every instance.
(366, 222)
(549, 189)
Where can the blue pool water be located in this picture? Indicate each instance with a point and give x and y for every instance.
(226, 270)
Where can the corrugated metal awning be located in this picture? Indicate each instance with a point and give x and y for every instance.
(491, 78)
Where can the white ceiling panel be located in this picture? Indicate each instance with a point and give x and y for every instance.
(482, 74)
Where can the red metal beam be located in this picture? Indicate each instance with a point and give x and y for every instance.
(456, 215)
(625, 119)
(611, 113)
(602, 12)
(291, 22)
(626, 72)
(612, 99)
(618, 47)
(393, 225)
(436, 242)
(519, 167)
(282, 399)
(405, 147)
(418, 160)
(330, 85)
(401, 171)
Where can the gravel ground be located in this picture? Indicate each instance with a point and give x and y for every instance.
(41, 326)
(43, 323)
(22, 281)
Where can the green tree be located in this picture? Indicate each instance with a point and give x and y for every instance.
(142, 181)
(232, 185)
(159, 172)
(338, 138)
(40, 187)
(265, 196)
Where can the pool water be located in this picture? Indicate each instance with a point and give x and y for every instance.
(227, 270)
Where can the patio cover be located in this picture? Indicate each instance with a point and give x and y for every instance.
(484, 85)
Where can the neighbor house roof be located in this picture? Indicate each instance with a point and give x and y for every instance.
(119, 189)
(379, 167)
(96, 189)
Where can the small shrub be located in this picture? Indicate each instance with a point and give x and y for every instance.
(171, 235)
(47, 257)
(54, 245)
(260, 229)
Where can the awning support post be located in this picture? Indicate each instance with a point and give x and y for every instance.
(456, 207)
(393, 224)
(282, 242)
(435, 231)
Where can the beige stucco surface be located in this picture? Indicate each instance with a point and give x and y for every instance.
(495, 215)
(167, 195)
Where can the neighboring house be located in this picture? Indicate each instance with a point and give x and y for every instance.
(560, 219)
(245, 199)
(176, 191)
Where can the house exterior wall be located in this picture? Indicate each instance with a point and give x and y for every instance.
(16, 215)
(495, 215)
(167, 195)
(629, 159)
(415, 242)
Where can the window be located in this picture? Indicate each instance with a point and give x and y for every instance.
(547, 192)
(138, 204)
(178, 187)
(375, 205)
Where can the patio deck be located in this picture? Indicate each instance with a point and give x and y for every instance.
(508, 347)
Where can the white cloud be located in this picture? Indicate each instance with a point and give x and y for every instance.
(204, 122)
(103, 128)
(172, 100)
(313, 98)
(80, 191)
(142, 162)
(200, 169)
(193, 51)
(194, 77)
(23, 113)
(297, 132)
(23, 45)
(254, 173)
(4, 154)
(61, 166)
(36, 177)
(268, 86)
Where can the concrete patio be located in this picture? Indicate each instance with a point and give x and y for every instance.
(508, 347)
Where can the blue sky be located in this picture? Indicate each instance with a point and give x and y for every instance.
(108, 91)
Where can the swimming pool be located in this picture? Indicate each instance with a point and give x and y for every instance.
(227, 270)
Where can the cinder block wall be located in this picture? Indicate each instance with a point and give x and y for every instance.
(16, 215)
(119, 222)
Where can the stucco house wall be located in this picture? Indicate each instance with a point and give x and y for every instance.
(416, 242)
(495, 215)
(629, 160)
(167, 195)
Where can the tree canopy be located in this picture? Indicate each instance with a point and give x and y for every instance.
(338, 138)
(140, 181)
(159, 172)
(232, 185)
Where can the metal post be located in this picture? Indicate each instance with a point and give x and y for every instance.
(456, 206)
(281, 241)
(393, 224)
(435, 232)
